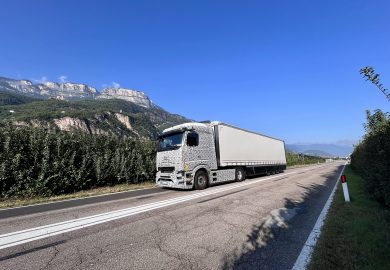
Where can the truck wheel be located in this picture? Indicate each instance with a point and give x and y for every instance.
(240, 174)
(200, 180)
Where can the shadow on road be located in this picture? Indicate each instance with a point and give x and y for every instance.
(24, 252)
(276, 241)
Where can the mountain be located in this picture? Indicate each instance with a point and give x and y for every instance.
(324, 150)
(134, 96)
(71, 91)
(317, 153)
(47, 90)
(71, 106)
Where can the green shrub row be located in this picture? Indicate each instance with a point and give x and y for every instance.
(34, 161)
(299, 159)
(371, 157)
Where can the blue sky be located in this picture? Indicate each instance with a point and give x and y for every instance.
(289, 69)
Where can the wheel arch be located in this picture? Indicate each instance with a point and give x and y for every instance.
(204, 168)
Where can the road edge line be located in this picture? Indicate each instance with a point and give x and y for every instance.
(305, 255)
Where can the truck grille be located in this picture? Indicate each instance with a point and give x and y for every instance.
(166, 169)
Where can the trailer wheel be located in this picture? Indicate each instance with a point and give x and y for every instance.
(240, 174)
(200, 180)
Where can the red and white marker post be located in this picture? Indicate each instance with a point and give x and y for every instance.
(345, 188)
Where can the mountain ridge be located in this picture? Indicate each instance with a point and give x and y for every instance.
(72, 91)
(69, 106)
(321, 149)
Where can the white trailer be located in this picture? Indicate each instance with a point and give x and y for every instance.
(202, 154)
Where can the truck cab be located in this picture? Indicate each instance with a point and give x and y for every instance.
(183, 151)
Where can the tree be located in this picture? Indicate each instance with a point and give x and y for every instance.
(376, 122)
(370, 75)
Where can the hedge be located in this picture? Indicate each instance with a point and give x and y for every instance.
(371, 157)
(34, 161)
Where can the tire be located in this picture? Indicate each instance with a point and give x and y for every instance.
(200, 180)
(240, 174)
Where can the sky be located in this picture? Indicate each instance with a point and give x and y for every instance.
(288, 69)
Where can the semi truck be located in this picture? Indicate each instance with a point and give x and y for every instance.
(198, 155)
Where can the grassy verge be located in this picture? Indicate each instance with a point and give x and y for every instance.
(355, 235)
(303, 165)
(81, 194)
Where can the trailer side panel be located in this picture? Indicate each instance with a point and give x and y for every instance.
(237, 147)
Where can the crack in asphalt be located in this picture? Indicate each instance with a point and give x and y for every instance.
(47, 264)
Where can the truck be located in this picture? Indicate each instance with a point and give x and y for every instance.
(198, 155)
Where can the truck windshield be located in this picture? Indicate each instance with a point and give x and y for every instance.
(171, 141)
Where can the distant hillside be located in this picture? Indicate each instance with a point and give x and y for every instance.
(317, 153)
(77, 106)
(112, 116)
(323, 150)
(7, 98)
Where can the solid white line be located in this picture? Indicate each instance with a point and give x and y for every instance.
(28, 235)
(305, 256)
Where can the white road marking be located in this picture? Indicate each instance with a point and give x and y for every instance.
(24, 236)
(305, 256)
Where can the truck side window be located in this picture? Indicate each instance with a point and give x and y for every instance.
(192, 139)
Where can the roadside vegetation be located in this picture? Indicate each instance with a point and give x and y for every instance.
(38, 163)
(355, 235)
(300, 159)
(371, 157)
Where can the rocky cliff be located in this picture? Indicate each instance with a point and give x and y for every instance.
(134, 96)
(67, 90)
(71, 91)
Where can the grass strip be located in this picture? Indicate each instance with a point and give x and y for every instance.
(355, 235)
(15, 202)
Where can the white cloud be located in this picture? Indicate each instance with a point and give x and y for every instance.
(63, 78)
(43, 79)
(112, 84)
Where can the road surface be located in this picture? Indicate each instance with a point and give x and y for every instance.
(261, 223)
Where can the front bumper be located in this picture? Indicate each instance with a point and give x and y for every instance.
(179, 180)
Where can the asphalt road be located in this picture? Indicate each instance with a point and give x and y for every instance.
(261, 223)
